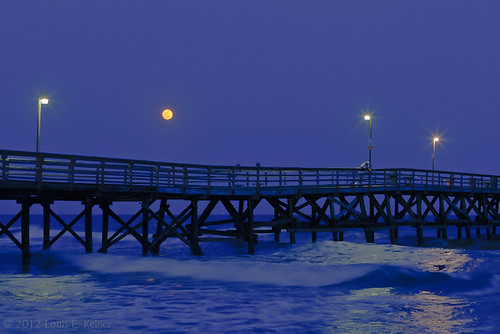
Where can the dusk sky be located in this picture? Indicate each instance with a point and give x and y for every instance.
(280, 82)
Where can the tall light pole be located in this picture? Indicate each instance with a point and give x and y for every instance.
(370, 143)
(41, 100)
(433, 159)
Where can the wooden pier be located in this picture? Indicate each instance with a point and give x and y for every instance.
(311, 200)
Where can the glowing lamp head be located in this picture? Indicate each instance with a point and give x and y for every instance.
(43, 100)
(367, 117)
(167, 114)
(436, 139)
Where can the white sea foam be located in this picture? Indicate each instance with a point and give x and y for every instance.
(241, 270)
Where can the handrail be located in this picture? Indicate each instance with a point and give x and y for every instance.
(42, 169)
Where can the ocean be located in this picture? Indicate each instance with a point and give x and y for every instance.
(445, 286)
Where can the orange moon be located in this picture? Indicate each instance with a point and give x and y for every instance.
(167, 114)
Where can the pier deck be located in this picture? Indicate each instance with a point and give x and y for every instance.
(308, 200)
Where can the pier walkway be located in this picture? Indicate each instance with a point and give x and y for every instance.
(311, 200)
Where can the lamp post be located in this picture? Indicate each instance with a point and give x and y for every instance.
(41, 100)
(433, 159)
(370, 144)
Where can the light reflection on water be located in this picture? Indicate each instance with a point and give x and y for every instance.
(383, 310)
(436, 313)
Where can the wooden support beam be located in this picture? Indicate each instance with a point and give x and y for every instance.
(332, 217)
(467, 232)
(46, 225)
(453, 207)
(195, 248)
(380, 209)
(369, 235)
(207, 211)
(145, 227)
(171, 228)
(420, 235)
(419, 206)
(314, 223)
(291, 203)
(406, 207)
(320, 212)
(279, 207)
(105, 227)
(368, 229)
(250, 233)
(25, 230)
(161, 213)
(396, 210)
(393, 235)
(124, 226)
(276, 230)
(67, 227)
(430, 206)
(237, 218)
(5, 229)
(88, 225)
(348, 209)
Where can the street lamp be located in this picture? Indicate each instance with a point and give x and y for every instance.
(433, 159)
(370, 144)
(41, 100)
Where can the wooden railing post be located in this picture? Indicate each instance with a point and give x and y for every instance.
(4, 166)
(426, 181)
(317, 179)
(184, 178)
(439, 181)
(102, 172)
(257, 190)
(38, 169)
(280, 180)
(385, 179)
(130, 171)
(300, 179)
(71, 172)
(233, 186)
(157, 175)
(209, 181)
(337, 172)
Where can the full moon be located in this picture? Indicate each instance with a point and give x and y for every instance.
(167, 114)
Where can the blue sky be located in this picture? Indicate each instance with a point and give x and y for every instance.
(280, 82)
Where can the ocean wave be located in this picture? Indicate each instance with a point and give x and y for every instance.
(230, 270)
(249, 270)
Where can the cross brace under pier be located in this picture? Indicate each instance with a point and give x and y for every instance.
(155, 222)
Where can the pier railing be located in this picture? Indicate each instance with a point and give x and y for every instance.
(29, 169)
